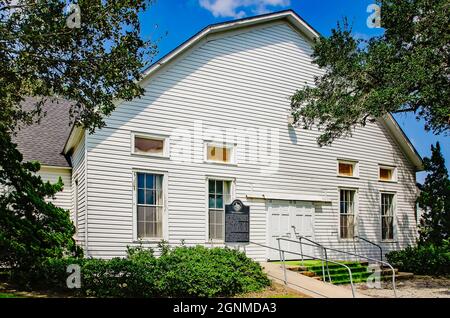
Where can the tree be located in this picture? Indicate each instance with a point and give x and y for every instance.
(91, 55)
(434, 200)
(30, 227)
(404, 70)
(89, 52)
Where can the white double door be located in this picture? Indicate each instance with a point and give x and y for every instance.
(287, 219)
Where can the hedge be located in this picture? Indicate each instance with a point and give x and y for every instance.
(423, 259)
(178, 272)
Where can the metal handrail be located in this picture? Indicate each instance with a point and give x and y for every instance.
(324, 249)
(370, 242)
(318, 258)
(361, 256)
(366, 257)
(314, 257)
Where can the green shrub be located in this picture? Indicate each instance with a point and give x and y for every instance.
(178, 272)
(119, 277)
(422, 260)
(203, 272)
(49, 273)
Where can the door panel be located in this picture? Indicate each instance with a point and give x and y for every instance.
(283, 215)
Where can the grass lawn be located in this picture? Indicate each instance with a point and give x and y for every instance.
(274, 291)
(8, 291)
(9, 295)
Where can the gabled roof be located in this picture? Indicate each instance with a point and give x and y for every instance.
(288, 15)
(403, 141)
(44, 141)
(297, 23)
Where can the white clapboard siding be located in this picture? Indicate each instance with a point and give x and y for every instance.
(62, 199)
(244, 82)
(79, 179)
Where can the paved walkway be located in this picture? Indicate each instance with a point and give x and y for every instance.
(307, 285)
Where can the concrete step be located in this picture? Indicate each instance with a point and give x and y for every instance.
(297, 268)
(388, 271)
(399, 276)
(307, 273)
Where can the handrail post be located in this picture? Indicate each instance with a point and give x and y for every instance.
(323, 268)
(393, 280)
(301, 250)
(282, 258)
(354, 244)
(326, 261)
(351, 282)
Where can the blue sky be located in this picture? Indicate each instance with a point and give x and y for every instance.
(174, 21)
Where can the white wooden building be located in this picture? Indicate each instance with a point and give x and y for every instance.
(213, 125)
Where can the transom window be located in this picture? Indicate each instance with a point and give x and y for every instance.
(150, 205)
(219, 194)
(147, 145)
(347, 213)
(347, 168)
(220, 152)
(387, 173)
(387, 216)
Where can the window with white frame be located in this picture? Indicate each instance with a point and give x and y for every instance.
(149, 205)
(219, 194)
(220, 152)
(387, 216)
(387, 173)
(149, 145)
(347, 168)
(347, 213)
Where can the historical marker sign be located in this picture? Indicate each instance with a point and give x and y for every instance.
(237, 223)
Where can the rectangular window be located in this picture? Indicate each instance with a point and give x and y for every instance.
(150, 205)
(347, 213)
(219, 194)
(347, 169)
(220, 152)
(146, 145)
(387, 174)
(387, 216)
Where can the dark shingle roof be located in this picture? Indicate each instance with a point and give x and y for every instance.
(45, 141)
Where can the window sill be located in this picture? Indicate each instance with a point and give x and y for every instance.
(148, 241)
(215, 242)
(347, 177)
(346, 240)
(389, 241)
(388, 181)
(221, 163)
(150, 156)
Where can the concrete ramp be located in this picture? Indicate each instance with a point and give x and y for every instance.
(307, 285)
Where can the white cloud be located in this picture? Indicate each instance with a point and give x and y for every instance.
(239, 8)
